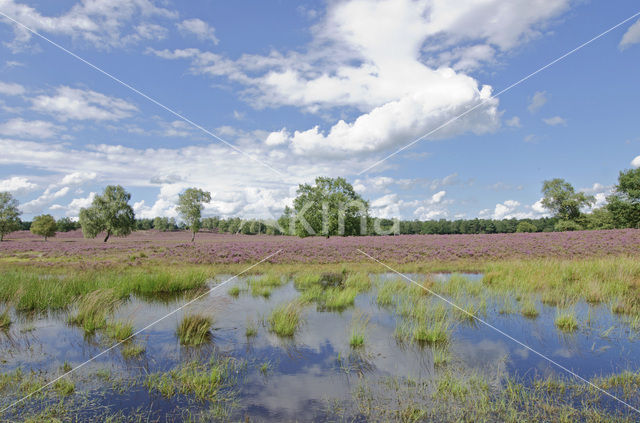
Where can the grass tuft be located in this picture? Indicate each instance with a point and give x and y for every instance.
(194, 329)
(284, 320)
(528, 308)
(566, 320)
(93, 309)
(119, 331)
(5, 320)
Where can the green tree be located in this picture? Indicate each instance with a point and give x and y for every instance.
(65, 224)
(190, 205)
(562, 200)
(624, 203)
(44, 225)
(567, 225)
(526, 227)
(9, 214)
(330, 207)
(110, 213)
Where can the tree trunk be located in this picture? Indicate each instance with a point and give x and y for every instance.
(193, 237)
(107, 237)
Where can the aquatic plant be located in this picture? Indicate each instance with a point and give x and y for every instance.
(566, 320)
(528, 308)
(284, 320)
(234, 291)
(119, 331)
(359, 323)
(5, 320)
(92, 310)
(194, 329)
(132, 349)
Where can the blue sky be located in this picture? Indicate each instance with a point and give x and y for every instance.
(303, 89)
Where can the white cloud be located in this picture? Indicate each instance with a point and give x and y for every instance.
(20, 128)
(512, 209)
(376, 65)
(632, 36)
(202, 30)
(538, 100)
(73, 208)
(277, 138)
(102, 23)
(555, 121)
(17, 184)
(636, 162)
(514, 122)
(437, 197)
(77, 178)
(49, 195)
(9, 88)
(77, 104)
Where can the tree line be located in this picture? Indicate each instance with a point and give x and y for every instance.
(332, 207)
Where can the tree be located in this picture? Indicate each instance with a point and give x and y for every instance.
(330, 207)
(110, 213)
(567, 225)
(624, 203)
(44, 225)
(9, 214)
(65, 224)
(561, 199)
(190, 205)
(526, 227)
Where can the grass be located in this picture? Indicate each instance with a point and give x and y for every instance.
(234, 291)
(132, 350)
(194, 329)
(359, 325)
(46, 288)
(251, 330)
(64, 387)
(285, 319)
(92, 310)
(528, 308)
(204, 381)
(566, 320)
(262, 286)
(119, 331)
(5, 320)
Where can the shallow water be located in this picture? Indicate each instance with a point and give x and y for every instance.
(314, 368)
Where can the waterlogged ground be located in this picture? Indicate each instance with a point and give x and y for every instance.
(320, 373)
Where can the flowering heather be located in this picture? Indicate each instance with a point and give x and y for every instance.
(225, 248)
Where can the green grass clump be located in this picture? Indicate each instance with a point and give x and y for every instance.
(359, 325)
(528, 308)
(204, 381)
(132, 350)
(251, 330)
(119, 331)
(566, 320)
(261, 286)
(64, 387)
(284, 320)
(194, 329)
(359, 281)
(234, 291)
(93, 309)
(306, 280)
(431, 332)
(5, 320)
(338, 299)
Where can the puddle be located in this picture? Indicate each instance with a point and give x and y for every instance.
(296, 378)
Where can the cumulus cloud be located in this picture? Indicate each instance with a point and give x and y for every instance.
(636, 162)
(101, 23)
(36, 205)
(514, 122)
(9, 88)
(78, 104)
(277, 138)
(376, 65)
(20, 128)
(555, 121)
(202, 30)
(512, 209)
(632, 36)
(538, 100)
(17, 184)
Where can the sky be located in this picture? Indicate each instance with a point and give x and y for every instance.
(248, 99)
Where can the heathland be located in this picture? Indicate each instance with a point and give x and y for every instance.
(320, 330)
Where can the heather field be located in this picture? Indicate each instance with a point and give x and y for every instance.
(211, 248)
(473, 328)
